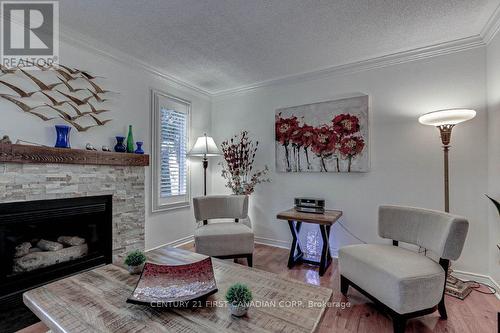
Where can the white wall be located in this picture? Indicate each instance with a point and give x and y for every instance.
(130, 107)
(406, 157)
(493, 76)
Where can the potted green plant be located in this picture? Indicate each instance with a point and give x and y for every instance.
(238, 297)
(135, 261)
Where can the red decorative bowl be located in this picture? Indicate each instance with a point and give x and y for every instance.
(174, 285)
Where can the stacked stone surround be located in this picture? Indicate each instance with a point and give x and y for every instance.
(27, 182)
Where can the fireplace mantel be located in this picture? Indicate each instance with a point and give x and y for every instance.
(15, 153)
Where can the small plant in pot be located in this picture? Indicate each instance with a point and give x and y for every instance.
(238, 297)
(135, 261)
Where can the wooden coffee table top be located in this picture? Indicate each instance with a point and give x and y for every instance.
(329, 217)
(94, 301)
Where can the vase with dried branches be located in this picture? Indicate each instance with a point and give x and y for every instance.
(238, 166)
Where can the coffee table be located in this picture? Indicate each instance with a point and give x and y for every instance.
(95, 301)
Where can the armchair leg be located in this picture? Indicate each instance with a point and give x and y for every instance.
(442, 309)
(250, 260)
(344, 285)
(399, 324)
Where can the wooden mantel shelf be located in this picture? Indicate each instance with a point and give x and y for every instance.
(14, 153)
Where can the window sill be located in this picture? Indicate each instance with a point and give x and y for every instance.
(166, 208)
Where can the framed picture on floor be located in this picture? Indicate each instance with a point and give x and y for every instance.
(329, 136)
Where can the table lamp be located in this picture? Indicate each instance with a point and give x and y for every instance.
(204, 147)
(445, 120)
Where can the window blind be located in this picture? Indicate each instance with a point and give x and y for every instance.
(173, 149)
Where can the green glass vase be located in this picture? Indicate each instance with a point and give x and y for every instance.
(130, 140)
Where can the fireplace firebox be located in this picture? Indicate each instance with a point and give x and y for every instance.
(41, 241)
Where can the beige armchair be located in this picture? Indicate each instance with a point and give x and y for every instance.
(223, 239)
(404, 283)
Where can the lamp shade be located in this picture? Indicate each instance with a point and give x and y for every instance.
(205, 147)
(447, 117)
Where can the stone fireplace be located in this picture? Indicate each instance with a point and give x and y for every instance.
(31, 175)
(29, 182)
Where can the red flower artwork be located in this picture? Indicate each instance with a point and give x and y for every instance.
(345, 124)
(284, 128)
(330, 142)
(324, 140)
(303, 135)
(350, 147)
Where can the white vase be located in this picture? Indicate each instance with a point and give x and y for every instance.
(238, 310)
(135, 269)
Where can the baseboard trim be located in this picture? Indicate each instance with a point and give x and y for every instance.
(176, 243)
(273, 242)
(481, 278)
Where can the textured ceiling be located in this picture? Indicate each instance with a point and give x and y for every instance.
(223, 44)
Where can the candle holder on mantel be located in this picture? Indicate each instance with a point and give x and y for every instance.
(445, 120)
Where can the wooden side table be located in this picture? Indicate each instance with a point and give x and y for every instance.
(324, 221)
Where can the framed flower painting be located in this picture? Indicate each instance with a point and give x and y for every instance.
(328, 136)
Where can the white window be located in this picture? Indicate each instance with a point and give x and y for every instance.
(170, 174)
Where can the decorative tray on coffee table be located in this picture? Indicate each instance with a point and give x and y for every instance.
(174, 285)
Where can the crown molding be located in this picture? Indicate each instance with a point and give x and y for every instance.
(70, 36)
(492, 26)
(435, 50)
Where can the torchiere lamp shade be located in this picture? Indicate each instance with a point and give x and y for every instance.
(447, 117)
(204, 146)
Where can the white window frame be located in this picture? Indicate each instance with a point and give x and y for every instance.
(173, 202)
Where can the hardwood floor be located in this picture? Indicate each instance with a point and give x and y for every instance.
(476, 314)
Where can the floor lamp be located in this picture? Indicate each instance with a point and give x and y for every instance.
(204, 147)
(445, 120)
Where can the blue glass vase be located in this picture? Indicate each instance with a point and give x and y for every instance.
(62, 139)
(120, 145)
(139, 149)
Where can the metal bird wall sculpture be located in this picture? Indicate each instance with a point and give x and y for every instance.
(74, 99)
(79, 93)
(53, 100)
(39, 83)
(18, 90)
(26, 108)
(95, 111)
(70, 88)
(97, 97)
(72, 71)
(97, 89)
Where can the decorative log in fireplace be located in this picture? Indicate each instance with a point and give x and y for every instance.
(41, 241)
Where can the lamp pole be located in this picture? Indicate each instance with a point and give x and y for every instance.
(205, 166)
(445, 133)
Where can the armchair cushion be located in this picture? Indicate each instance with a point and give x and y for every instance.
(222, 239)
(403, 280)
